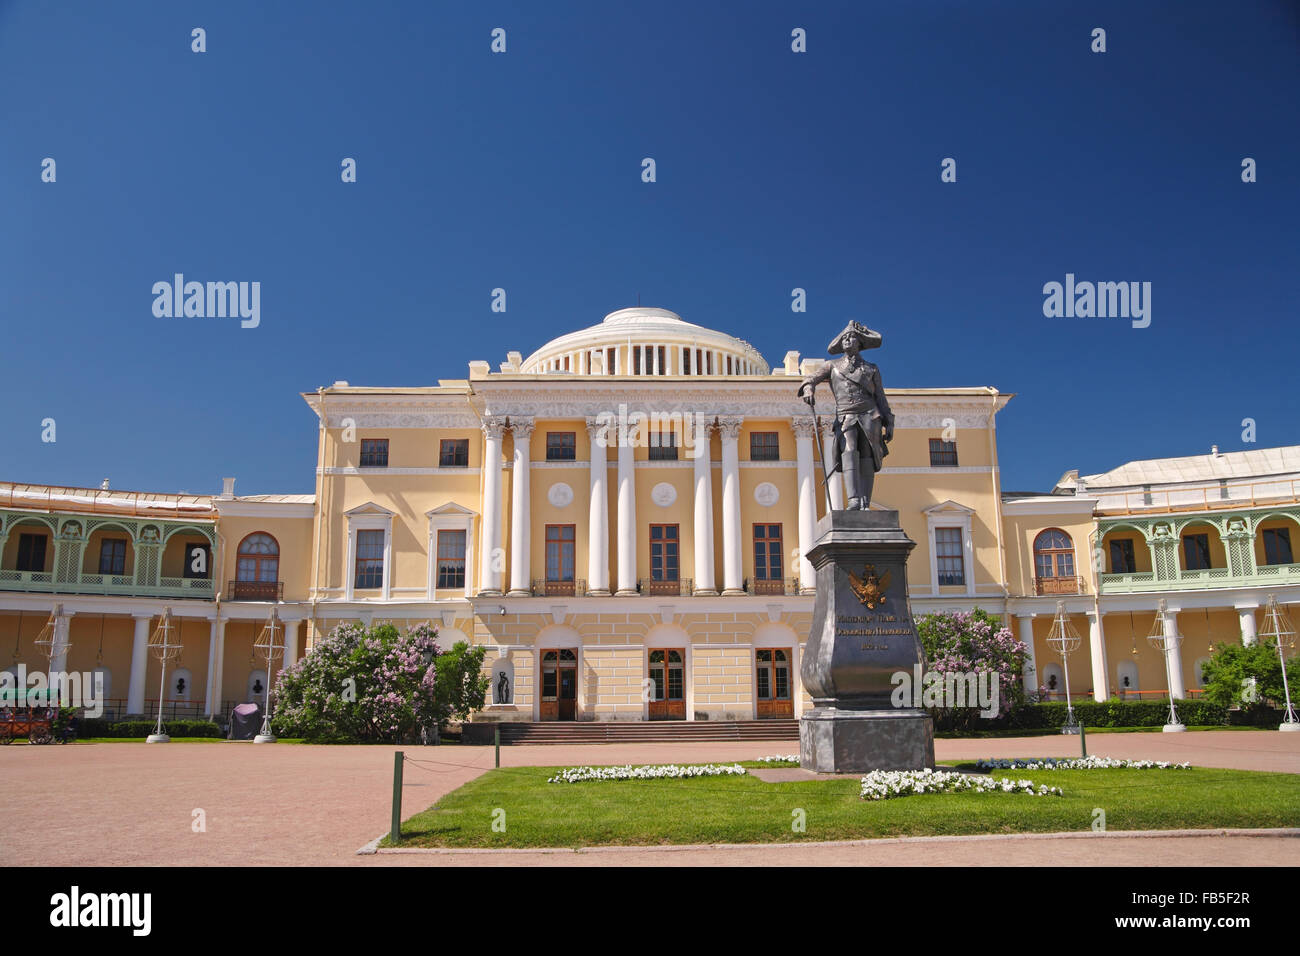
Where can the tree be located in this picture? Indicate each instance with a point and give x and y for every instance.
(361, 684)
(461, 686)
(964, 642)
(1228, 676)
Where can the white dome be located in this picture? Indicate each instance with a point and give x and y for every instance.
(646, 341)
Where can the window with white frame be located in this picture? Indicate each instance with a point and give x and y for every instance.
(949, 558)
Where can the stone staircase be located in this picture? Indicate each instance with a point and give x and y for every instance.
(656, 731)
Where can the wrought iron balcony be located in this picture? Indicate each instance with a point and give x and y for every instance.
(675, 588)
(573, 588)
(788, 586)
(255, 590)
(117, 584)
(1059, 585)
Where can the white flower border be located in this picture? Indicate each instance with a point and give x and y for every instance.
(777, 758)
(659, 772)
(1079, 763)
(887, 784)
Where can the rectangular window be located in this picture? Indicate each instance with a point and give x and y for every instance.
(374, 453)
(1196, 551)
(943, 454)
(664, 550)
(453, 453)
(451, 559)
(948, 556)
(559, 552)
(1277, 546)
(370, 559)
(610, 362)
(1121, 556)
(112, 556)
(663, 446)
(636, 360)
(561, 446)
(768, 552)
(31, 552)
(686, 361)
(764, 446)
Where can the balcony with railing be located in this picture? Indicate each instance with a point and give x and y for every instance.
(680, 587)
(1058, 584)
(573, 588)
(783, 586)
(254, 590)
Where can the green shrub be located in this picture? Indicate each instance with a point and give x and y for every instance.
(1118, 713)
(100, 727)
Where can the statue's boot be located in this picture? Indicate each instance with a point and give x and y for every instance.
(868, 484)
(851, 487)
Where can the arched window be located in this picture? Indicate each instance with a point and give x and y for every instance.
(259, 559)
(1054, 554)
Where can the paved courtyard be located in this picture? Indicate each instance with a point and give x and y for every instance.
(132, 804)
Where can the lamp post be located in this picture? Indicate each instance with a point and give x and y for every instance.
(1065, 640)
(53, 644)
(1278, 627)
(165, 648)
(267, 647)
(1164, 636)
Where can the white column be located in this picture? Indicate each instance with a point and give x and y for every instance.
(836, 481)
(489, 579)
(1097, 644)
(704, 583)
(290, 643)
(216, 656)
(627, 509)
(520, 512)
(1174, 653)
(139, 664)
(598, 512)
(732, 569)
(1246, 615)
(1026, 622)
(807, 478)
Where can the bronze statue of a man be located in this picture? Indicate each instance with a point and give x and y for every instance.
(863, 421)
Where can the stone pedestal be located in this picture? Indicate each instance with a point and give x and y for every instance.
(862, 634)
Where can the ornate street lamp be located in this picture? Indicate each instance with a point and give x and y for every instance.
(165, 646)
(52, 644)
(1165, 638)
(1065, 640)
(268, 647)
(1278, 627)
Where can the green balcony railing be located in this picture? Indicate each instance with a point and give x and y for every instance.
(1201, 579)
(43, 582)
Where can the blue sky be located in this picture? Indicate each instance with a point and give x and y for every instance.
(521, 170)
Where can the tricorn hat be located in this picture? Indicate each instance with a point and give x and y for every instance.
(867, 339)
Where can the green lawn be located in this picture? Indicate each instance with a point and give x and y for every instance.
(747, 810)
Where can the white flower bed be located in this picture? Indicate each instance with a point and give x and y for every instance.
(665, 771)
(791, 758)
(1079, 763)
(886, 784)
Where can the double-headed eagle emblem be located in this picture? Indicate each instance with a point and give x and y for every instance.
(870, 589)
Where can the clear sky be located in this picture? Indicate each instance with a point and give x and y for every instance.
(522, 170)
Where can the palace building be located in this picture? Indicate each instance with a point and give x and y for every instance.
(627, 509)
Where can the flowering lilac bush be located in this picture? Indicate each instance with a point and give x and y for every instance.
(963, 642)
(361, 685)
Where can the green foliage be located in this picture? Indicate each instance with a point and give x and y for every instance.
(364, 685)
(460, 687)
(1119, 713)
(100, 727)
(975, 641)
(1228, 676)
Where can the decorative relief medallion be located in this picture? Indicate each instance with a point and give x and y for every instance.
(767, 494)
(560, 495)
(663, 494)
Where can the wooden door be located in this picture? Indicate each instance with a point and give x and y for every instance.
(668, 676)
(559, 690)
(773, 690)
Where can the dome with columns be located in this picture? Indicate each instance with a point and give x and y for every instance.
(646, 341)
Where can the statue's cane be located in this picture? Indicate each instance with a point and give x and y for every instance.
(817, 440)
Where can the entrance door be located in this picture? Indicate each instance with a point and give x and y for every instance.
(559, 685)
(668, 672)
(773, 685)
